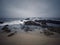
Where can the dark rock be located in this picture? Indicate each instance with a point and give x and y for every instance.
(30, 30)
(53, 21)
(26, 29)
(48, 21)
(1, 22)
(6, 29)
(42, 22)
(12, 34)
(31, 23)
(27, 19)
(48, 33)
(54, 29)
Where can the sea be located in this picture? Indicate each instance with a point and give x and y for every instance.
(17, 24)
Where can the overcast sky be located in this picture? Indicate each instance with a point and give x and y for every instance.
(29, 8)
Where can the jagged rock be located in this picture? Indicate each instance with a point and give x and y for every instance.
(31, 23)
(6, 29)
(42, 22)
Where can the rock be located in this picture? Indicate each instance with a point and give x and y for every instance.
(53, 21)
(1, 22)
(48, 33)
(6, 29)
(54, 29)
(27, 19)
(11, 34)
(26, 29)
(32, 23)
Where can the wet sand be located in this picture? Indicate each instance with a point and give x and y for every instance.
(28, 38)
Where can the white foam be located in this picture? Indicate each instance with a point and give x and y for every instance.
(12, 23)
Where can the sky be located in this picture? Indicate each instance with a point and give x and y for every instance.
(29, 8)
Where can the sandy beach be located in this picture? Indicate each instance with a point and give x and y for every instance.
(28, 38)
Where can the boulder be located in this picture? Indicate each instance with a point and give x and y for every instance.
(31, 23)
(6, 29)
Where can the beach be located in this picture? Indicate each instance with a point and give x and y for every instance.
(28, 32)
(28, 38)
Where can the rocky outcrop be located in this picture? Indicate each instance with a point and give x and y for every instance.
(6, 29)
(31, 23)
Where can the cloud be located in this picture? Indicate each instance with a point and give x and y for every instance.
(28, 8)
